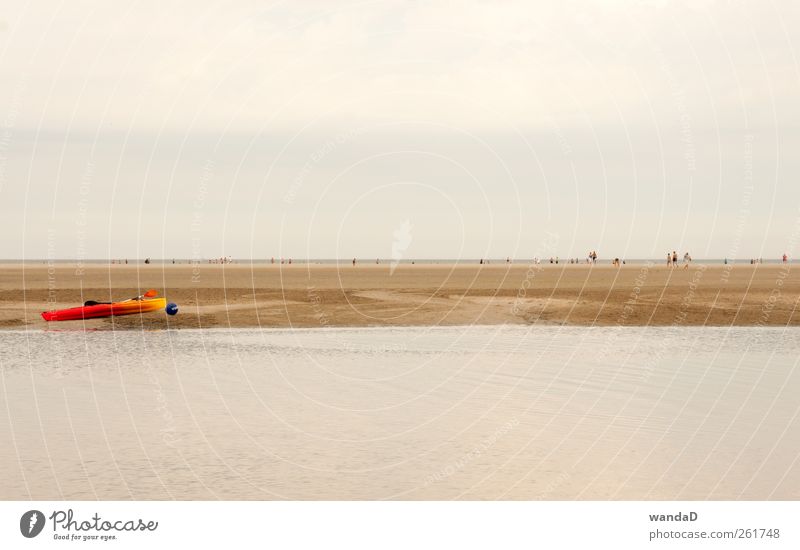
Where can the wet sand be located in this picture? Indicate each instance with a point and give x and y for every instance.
(324, 295)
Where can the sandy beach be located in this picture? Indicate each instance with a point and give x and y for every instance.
(326, 295)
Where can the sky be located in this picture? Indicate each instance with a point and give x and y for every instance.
(322, 129)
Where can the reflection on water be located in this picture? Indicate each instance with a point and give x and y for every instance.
(409, 413)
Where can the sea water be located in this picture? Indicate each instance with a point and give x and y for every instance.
(401, 413)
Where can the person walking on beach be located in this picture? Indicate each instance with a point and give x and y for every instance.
(669, 259)
(686, 260)
(674, 258)
(354, 262)
(785, 258)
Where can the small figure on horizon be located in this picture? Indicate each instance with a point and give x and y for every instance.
(686, 260)
(785, 258)
(674, 258)
(354, 262)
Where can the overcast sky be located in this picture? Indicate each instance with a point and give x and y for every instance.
(322, 129)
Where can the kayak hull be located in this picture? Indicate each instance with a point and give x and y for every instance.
(106, 310)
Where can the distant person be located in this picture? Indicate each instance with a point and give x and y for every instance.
(674, 258)
(669, 259)
(481, 262)
(354, 262)
(785, 258)
(686, 260)
(147, 260)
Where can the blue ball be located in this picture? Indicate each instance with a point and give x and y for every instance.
(172, 308)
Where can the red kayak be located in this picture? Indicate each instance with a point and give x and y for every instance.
(128, 307)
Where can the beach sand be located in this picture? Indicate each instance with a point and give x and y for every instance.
(320, 295)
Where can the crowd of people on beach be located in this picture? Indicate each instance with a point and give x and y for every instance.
(222, 260)
(591, 259)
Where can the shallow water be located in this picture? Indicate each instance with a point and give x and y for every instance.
(404, 413)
